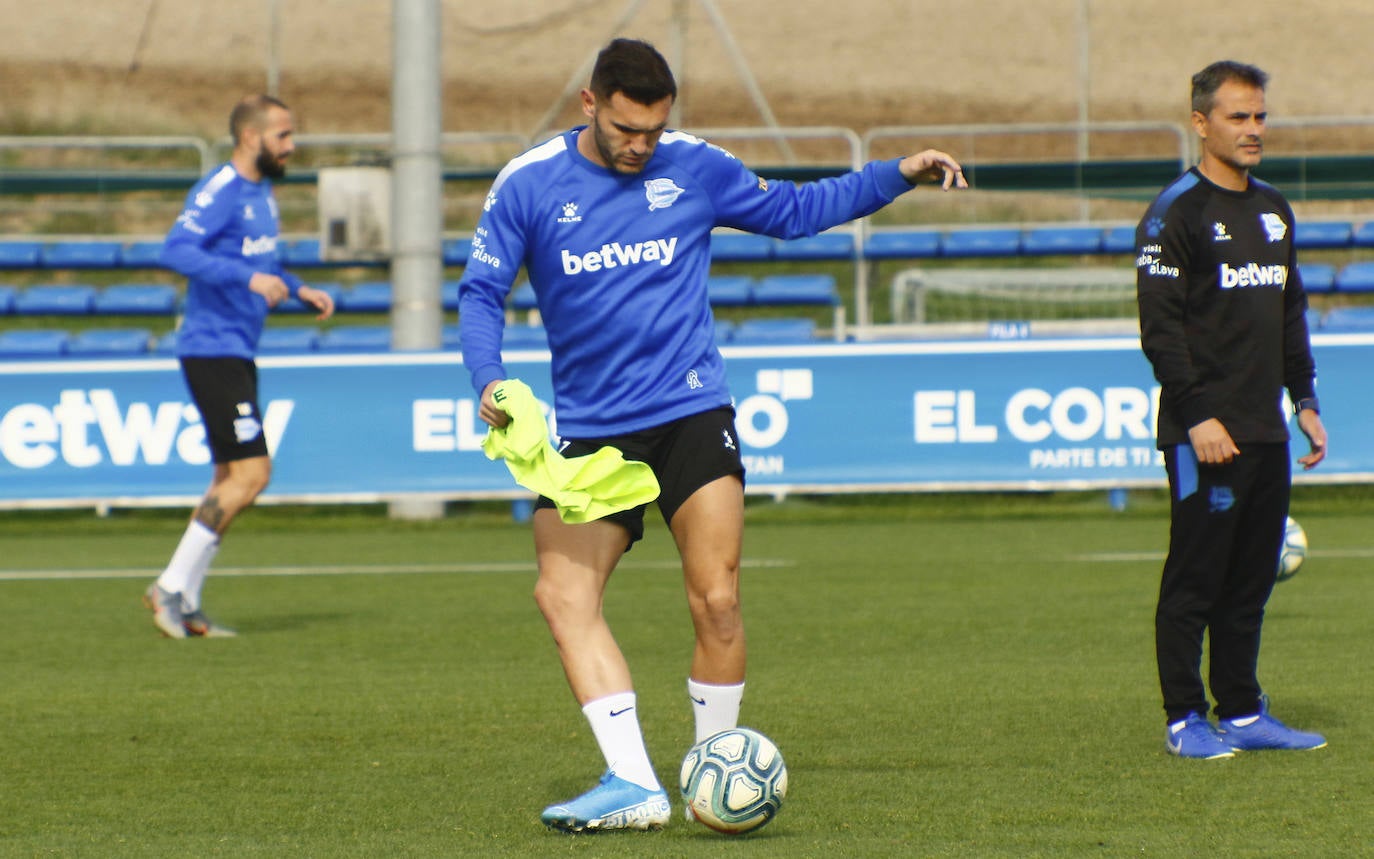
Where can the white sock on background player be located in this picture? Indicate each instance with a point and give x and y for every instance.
(716, 708)
(615, 722)
(185, 573)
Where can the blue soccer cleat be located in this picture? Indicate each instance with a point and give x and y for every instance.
(1194, 737)
(1263, 731)
(613, 804)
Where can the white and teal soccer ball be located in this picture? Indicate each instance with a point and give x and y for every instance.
(1294, 550)
(734, 781)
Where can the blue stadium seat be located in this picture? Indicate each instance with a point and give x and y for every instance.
(1348, 319)
(301, 253)
(1119, 240)
(448, 295)
(80, 254)
(456, 251)
(32, 343)
(522, 298)
(754, 332)
(286, 340)
(148, 299)
(725, 332)
(110, 342)
(55, 300)
(356, 338)
(833, 246)
(370, 296)
(1363, 236)
(1323, 234)
(1317, 277)
(981, 243)
(907, 244)
(729, 290)
(450, 337)
(7, 294)
(293, 305)
(19, 254)
(1356, 277)
(1062, 240)
(166, 344)
(740, 247)
(796, 289)
(141, 255)
(524, 337)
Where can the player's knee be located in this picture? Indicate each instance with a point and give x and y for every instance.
(717, 609)
(557, 602)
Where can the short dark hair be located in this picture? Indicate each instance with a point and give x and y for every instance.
(251, 110)
(635, 68)
(1209, 80)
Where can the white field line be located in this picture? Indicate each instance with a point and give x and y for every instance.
(349, 570)
(1130, 557)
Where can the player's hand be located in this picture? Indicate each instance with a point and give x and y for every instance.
(492, 414)
(318, 299)
(1212, 444)
(1311, 425)
(270, 287)
(933, 165)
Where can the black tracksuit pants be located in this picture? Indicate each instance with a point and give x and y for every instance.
(1225, 532)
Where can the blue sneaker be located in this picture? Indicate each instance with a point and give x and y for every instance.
(1263, 731)
(613, 804)
(1194, 737)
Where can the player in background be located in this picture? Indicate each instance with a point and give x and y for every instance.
(1223, 322)
(612, 221)
(225, 243)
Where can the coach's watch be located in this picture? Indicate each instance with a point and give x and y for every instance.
(1306, 403)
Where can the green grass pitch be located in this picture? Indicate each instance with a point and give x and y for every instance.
(945, 677)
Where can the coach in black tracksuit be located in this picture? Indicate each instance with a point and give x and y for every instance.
(1223, 322)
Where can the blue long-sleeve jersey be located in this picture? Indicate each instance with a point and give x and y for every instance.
(619, 265)
(226, 233)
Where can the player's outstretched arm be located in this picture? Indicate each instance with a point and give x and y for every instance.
(931, 166)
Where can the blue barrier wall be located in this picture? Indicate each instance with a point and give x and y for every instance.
(1029, 414)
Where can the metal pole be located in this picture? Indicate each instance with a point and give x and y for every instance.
(677, 59)
(273, 46)
(416, 189)
(1084, 91)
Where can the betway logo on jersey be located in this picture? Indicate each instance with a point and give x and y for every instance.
(615, 254)
(1252, 274)
(259, 246)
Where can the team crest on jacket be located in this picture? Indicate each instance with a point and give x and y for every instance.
(661, 193)
(1274, 227)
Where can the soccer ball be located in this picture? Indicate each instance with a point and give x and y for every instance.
(734, 781)
(1294, 550)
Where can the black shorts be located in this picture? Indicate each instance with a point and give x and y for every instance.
(225, 391)
(685, 455)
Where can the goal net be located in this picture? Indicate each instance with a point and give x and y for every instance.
(1059, 298)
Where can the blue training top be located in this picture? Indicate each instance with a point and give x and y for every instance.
(619, 264)
(225, 235)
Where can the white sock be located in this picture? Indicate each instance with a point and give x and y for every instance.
(716, 708)
(615, 723)
(185, 573)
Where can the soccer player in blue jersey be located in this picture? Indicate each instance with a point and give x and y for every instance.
(1223, 321)
(612, 221)
(225, 243)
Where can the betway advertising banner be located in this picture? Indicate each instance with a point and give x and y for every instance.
(1015, 414)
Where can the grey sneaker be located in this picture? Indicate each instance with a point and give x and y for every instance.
(166, 609)
(196, 623)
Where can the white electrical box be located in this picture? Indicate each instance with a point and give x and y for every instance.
(355, 213)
